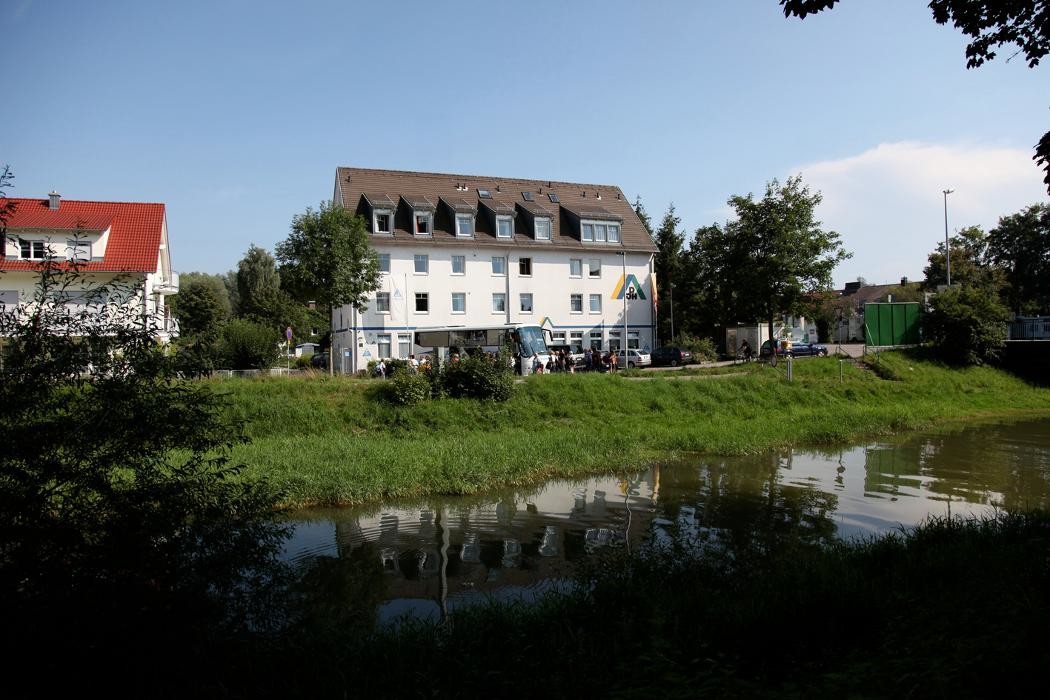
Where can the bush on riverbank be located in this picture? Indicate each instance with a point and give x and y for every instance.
(329, 441)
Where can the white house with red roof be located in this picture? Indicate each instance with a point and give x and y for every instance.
(108, 240)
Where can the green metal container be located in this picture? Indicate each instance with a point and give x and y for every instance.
(895, 323)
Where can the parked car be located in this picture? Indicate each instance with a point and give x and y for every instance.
(635, 358)
(671, 356)
(797, 350)
(320, 360)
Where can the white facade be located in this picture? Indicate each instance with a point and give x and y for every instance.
(584, 309)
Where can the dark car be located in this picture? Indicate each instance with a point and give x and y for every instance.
(319, 361)
(670, 356)
(797, 350)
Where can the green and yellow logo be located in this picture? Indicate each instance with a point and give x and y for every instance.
(633, 289)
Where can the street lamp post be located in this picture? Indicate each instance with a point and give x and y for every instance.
(947, 245)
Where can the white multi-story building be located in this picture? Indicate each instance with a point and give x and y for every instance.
(105, 241)
(475, 251)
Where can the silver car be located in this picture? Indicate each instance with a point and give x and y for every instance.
(635, 358)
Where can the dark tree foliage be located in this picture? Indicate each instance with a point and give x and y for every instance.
(969, 263)
(124, 530)
(198, 308)
(990, 24)
(966, 325)
(643, 215)
(1020, 245)
(247, 344)
(669, 241)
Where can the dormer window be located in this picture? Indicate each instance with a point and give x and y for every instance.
(504, 227)
(382, 220)
(542, 229)
(614, 233)
(32, 250)
(424, 223)
(599, 232)
(464, 225)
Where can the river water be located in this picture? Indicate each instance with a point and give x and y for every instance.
(441, 553)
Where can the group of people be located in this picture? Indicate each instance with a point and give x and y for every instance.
(594, 360)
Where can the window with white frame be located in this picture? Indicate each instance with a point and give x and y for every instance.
(459, 264)
(526, 302)
(404, 346)
(78, 250)
(594, 268)
(465, 225)
(614, 340)
(614, 233)
(384, 262)
(558, 337)
(599, 233)
(424, 222)
(459, 302)
(422, 263)
(382, 302)
(499, 303)
(543, 228)
(422, 302)
(504, 226)
(587, 232)
(383, 341)
(576, 341)
(575, 267)
(382, 220)
(576, 303)
(499, 266)
(596, 340)
(596, 303)
(32, 250)
(632, 339)
(525, 267)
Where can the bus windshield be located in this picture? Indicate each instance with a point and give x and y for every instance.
(531, 341)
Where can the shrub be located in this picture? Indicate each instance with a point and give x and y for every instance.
(407, 389)
(249, 345)
(966, 326)
(703, 349)
(478, 377)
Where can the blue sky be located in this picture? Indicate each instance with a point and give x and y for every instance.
(236, 114)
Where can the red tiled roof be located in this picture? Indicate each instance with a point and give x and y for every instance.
(134, 237)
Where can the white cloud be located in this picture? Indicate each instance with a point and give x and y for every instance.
(887, 202)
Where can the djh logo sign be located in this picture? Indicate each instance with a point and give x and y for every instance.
(633, 289)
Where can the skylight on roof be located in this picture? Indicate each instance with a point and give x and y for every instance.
(484, 194)
(527, 196)
(554, 197)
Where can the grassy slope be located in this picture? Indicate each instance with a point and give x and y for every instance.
(332, 442)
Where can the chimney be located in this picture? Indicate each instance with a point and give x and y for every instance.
(53, 200)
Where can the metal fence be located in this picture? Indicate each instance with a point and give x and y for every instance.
(1030, 329)
(250, 373)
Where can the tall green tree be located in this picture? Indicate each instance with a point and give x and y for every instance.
(989, 24)
(259, 289)
(643, 215)
(327, 258)
(668, 263)
(778, 252)
(1020, 245)
(201, 304)
(969, 264)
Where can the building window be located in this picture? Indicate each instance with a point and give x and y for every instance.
(422, 303)
(596, 340)
(575, 267)
(499, 303)
(465, 225)
(382, 302)
(32, 250)
(404, 346)
(384, 262)
(525, 267)
(526, 303)
(422, 264)
(576, 341)
(8, 299)
(381, 220)
(599, 233)
(614, 233)
(383, 341)
(504, 227)
(587, 232)
(576, 303)
(543, 229)
(424, 223)
(459, 264)
(596, 303)
(558, 337)
(594, 267)
(632, 339)
(499, 266)
(459, 302)
(78, 250)
(614, 340)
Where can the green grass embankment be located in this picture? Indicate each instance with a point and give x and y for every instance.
(333, 441)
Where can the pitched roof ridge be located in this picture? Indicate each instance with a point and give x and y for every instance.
(44, 200)
(493, 178)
